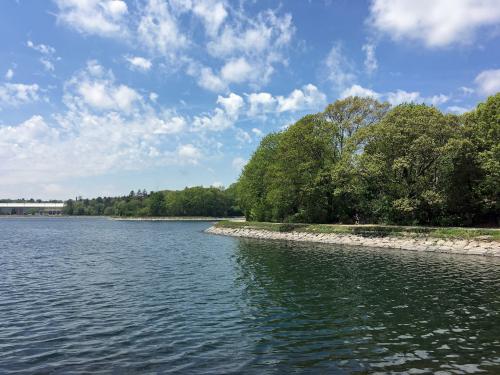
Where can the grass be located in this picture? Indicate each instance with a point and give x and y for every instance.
(368, 230)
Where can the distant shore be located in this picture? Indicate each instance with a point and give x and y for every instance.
(423, 242)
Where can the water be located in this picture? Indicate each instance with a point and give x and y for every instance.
(80, 295)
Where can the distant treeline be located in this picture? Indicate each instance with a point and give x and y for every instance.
(194, 201)
(31, 200)
(362, 161)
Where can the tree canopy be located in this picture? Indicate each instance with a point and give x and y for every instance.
(194, 201)
(362, 161)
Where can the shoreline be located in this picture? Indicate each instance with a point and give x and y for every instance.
(176, 218)
(421, 243)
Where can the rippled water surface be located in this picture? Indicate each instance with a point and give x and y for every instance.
(95, 295)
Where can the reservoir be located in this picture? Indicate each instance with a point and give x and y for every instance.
(92, 295)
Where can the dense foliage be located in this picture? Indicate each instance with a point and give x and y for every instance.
(194, 201)
(361, 161)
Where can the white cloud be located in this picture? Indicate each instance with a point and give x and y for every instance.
(210, 81)
(434, 23)
(139, 63)
(457, 109)
(102, 95)
(79, 144)
(437, 100)
(237, 70)
(13, 94)
(104, 18)
(159, 31)
(96, 89)
(218, 120)
(261, 103)
(231, 104)
(357, 90)
(339, 69)
(309, 97)
(9, 74)
(42, 48)
(238, 163)
(153, 97)
(263, 34)
(241, 49)
(250, 48)
(488, 82)
(189, 154)
(213, 14)
(299, 100)
(402, 96)
(371, 63)
(48, 55)
(167, 124)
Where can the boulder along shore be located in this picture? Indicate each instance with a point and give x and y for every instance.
(421, 243)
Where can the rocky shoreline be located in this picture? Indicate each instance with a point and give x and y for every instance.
(423, 244)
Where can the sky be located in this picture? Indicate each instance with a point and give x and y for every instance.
(100, 97)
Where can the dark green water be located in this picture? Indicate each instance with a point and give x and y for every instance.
(99, 296)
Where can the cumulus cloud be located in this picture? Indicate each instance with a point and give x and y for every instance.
(189, 154)
(231, 104)
(220, 118)
(395, 97)
(309, 97)
(104, 18)
(488, 82)
(208, 80)
(434, 23)
(264, 34)
(249, 50)
(357, 90)
(14, 94)
(241, 49)
(261, 103)
(79, 143)
(237, 70)
(97, 89)
(106, 126)
(212, 13)
(139, 63)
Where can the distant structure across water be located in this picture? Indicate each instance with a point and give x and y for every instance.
(23, 208)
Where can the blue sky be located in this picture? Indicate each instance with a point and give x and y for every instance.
(99, 97)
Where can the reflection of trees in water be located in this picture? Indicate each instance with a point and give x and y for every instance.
(343, 303)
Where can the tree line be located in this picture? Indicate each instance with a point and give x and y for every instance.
(362, 161)
(194, 201)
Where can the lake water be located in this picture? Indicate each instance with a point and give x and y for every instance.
(99, 296)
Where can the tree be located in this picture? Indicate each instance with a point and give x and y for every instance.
(157, 204)
(484, 129)
(403, 159)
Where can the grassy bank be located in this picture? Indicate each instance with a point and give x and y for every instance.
(372, 230)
